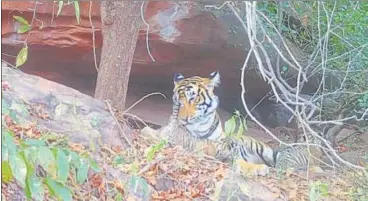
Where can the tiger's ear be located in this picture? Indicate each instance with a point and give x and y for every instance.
(215, 79)
(178, 77)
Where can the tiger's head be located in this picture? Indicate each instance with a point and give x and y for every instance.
(195, 97)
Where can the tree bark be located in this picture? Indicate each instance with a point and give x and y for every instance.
(120, 26)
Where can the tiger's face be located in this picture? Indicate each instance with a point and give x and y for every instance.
(195, 97)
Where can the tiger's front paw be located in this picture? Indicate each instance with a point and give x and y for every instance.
(250, 169)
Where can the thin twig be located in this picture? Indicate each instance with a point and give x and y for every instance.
(33, 17)
(136, 117)
(217, 7)
(269, 75)
(144, 97)
(122, 133)
(147, 31)
(93, 36)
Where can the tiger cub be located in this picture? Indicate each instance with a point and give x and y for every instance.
(296, 157)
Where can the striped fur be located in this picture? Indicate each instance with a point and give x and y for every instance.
(256, 152)
(299, 156)
(248, 149)
(195, 106)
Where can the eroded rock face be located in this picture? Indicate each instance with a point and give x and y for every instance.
(183, 37)
(176, 31)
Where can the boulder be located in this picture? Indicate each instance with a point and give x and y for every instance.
(62, 110)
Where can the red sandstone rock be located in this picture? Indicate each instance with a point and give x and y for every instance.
(175, 31)
(182, 38)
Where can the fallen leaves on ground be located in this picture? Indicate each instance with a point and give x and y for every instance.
(175, 174)
(192, 176)
(29, 130)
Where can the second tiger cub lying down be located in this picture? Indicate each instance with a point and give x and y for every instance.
(195, 124)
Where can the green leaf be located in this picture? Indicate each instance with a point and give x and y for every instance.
(24, 28)
(150, 154)
(27, 190)
(285, 68)
(118, 197)
(4, 147)
(63, 166)
(35, 187)
(94, 166)
(74, 161)
(82, 172)
(155, 148)
(19, 169)
(241, 128)
(77, 11)
(5, 107)
(30, 156)
(20, 19)
(230, 125)
(58, 189)
(94, 121)
(9, 147)
(54, 151)
(318, 190)
(323, 188)
(34, 142)
(61, 4)
(134, 167)
(138, 185)
(6, 173)
(46, 158)
(22, 56)
(118, 160)
(313, 195)
(13, 115)
(73, 158)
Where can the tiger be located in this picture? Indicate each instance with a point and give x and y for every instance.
(195, 107)
(195, 122)
(294, 157)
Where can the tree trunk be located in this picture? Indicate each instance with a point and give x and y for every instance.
(120, 26)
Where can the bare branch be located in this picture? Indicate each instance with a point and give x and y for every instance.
(147, 31)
